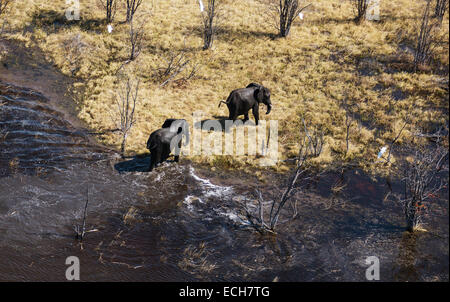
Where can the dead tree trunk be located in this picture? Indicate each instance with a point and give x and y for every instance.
(361, 9)
(111, 8)
(283, 13)
(289, 10)
(210, 23)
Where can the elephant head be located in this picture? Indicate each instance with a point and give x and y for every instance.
(262, 95)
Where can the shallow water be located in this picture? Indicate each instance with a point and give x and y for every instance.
(182, 222)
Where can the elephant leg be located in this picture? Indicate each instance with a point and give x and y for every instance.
(152, 160)
(233, 113)
(158, 154)
(165, 153)
(246, 117)
(255, 111)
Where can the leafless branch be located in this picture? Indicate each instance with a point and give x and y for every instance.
(175, 64)
(284, 13)
(81, 230)
(425, 39)
(391, 145)
(210, 19)
(424, 175)
(110, 7)
(136, 36)
(440, 9)
(311, 146)
(126, 101)
(132, 7)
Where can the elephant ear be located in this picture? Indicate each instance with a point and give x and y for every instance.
(259, 94)
(168, 122)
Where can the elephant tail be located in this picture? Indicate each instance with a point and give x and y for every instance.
(220, 103)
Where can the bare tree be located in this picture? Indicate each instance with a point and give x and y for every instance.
(310, 147)
(361, 9)
(440, 9)
(210, 19)
(110, 7)
(126, 100)
(284, 13)
(132, 7)
(135, 36)
(176, 63)
(425, 39)
(422, 177)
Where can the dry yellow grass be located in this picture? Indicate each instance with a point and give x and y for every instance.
(326, 58)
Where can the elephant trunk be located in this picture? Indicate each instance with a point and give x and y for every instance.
(269, 108)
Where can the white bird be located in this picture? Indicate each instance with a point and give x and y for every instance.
(201, 5)
(301, 16)
(110, 28)
(380, 154)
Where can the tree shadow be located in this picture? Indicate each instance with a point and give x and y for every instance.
(328, 20)
(346, 20)
(231, 34)
(228, 34)
(54, 21)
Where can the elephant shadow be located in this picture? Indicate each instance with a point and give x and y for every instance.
(138, 163)
(221, 119)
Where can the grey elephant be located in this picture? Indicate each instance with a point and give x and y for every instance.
(166, 140)
(240, 101)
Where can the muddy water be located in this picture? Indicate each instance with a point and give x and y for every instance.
(181, 222)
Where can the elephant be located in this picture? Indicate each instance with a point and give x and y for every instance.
(240, 101)
(166, 140)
